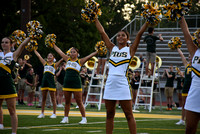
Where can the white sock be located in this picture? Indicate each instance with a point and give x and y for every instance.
(13, 133)
(65, 117)
(83, 118)
(1, 124)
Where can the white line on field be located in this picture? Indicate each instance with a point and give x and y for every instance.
(90, 123)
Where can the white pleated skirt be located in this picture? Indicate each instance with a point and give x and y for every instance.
(193, 99)
(117, 88)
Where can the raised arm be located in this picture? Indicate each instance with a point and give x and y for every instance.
(104, 36)
(40, 57)
(83, 60)
(188, 38)
(60, 52)
(160, 37)
(58, 63)
(182, 57)
(19, 50)
(134, 46)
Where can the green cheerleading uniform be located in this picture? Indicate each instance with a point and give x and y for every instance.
(187, 80)
(7, 88)
(48, 82)
(72, 80)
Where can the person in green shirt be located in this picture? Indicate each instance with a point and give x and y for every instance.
(169, 86)
(150, 40)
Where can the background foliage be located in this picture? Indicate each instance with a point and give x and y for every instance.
(62, 17)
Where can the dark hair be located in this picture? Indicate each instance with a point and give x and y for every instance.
(29, 69)
(150, 30)
(52, 54)
(9, 39)
(75, 49)
(126, 32)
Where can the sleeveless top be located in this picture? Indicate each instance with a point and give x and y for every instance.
(119, 61)
(7, 64)
(72, 80)
(188, 78)
(48, 82)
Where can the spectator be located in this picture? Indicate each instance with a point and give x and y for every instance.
(30, 86)
(135, 84)
(60, 74)
(150, 39)
(179, 78)
(24, 66)
(169, 86)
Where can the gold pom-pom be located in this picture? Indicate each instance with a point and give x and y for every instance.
(69, 51)
(32, 45)
(91, 11)
(18, 36)
(196, 37)
(151, 13)
(175, 43)
(34, 29)
(50, 40)
(101, 48)
(176, 9)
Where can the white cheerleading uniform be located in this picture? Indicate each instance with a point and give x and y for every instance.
(117, 85)
(193, 98)
(50, 68)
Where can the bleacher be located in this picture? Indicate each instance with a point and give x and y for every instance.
(167, 55)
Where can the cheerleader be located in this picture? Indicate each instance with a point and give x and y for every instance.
(48, 83)
(117, 85)
(8, 90)
(192, 105)
(186, 84)
(72, 81)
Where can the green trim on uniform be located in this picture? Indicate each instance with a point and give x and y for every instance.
(7, 89)
(48, 80)
(187, 79)
(72, 80)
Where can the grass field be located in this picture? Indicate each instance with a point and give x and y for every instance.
(156, 122)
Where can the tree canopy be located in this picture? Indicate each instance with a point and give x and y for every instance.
(63, 18)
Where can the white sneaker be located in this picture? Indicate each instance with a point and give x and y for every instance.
(77, 107)
(179, 108)
(41, 116)
(83, 121)
(1, 126)
(65, 120)
(60, 105)
(153, 107)
(53, 116)
(181, 122)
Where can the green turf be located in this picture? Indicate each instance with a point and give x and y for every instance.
(32, 125)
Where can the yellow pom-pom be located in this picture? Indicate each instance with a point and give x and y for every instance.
(69, 51)
(176, 9)
(18, 36)
(32, 45)
(34, 29)
(151, 13)
(174, 43)
(101, 48)
(91, 11)
(196, 37)
(50, 40)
